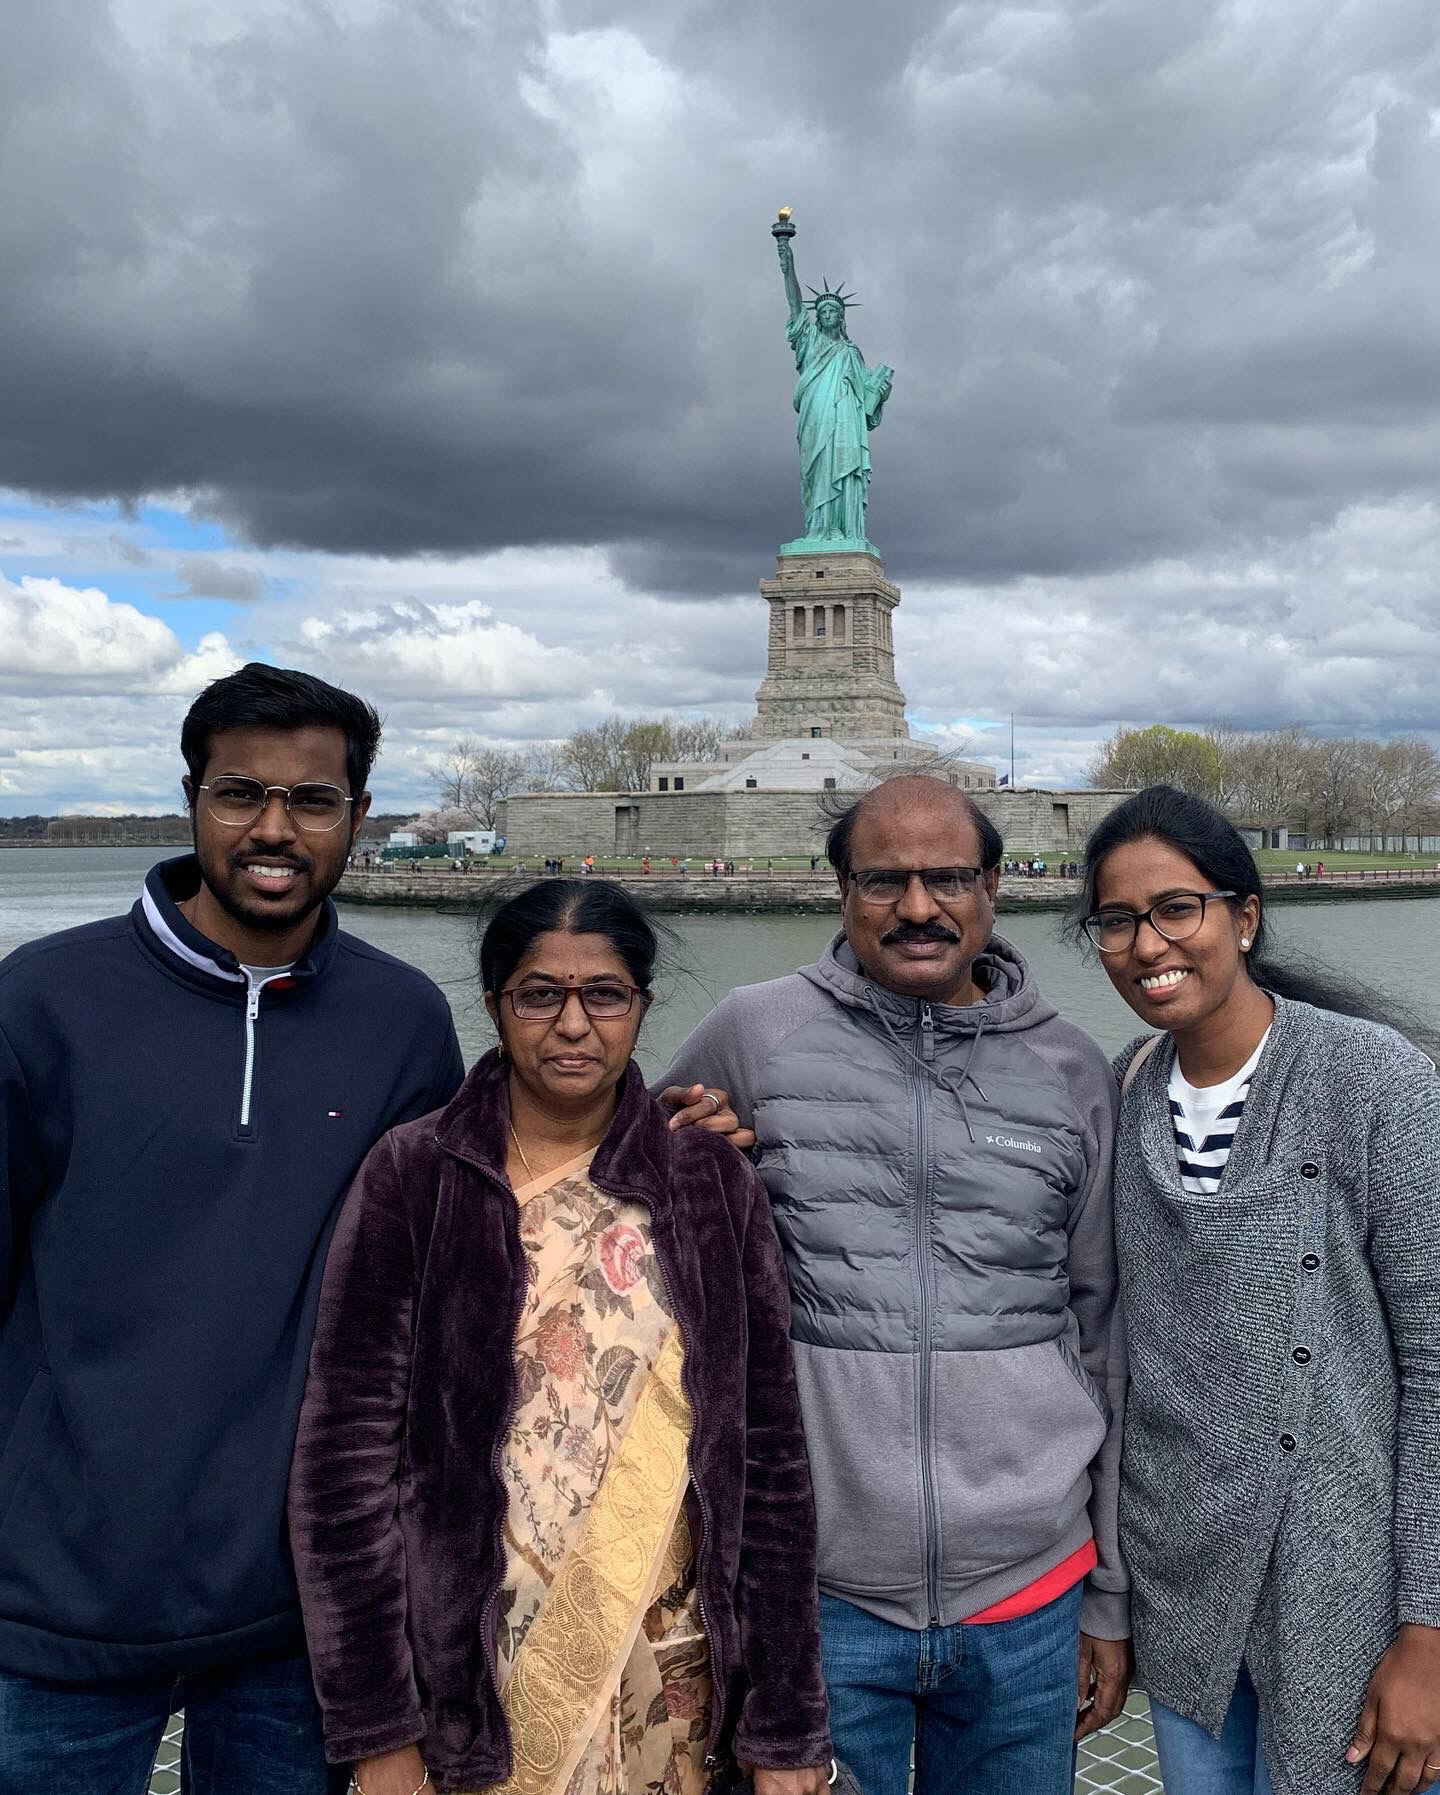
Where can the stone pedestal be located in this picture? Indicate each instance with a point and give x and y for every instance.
(831, 660)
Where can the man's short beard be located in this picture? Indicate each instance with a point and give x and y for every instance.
(260, 919)
(263, 921)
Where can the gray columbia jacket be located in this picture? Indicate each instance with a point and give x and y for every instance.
(941, 1183)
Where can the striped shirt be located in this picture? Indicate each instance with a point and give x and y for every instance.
(1205, 1118)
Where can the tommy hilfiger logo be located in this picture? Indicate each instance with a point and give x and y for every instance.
(1013, 1140)
(333, 1114)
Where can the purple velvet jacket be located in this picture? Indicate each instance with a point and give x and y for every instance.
(396, 1502)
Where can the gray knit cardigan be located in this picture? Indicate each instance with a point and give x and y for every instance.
(1280, 1497)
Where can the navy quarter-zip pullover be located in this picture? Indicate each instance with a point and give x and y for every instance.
(175, 1139)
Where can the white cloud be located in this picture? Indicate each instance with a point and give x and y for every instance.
(83, 640)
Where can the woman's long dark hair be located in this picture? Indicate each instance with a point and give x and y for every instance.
(1199, 832)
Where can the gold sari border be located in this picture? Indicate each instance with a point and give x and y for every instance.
(571, 1660)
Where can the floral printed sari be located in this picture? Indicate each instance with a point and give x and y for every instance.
(603, 1664)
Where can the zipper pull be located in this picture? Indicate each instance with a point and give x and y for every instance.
(252, 1003)
(927, 1032)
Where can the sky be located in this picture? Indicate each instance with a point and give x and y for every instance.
(437, 346)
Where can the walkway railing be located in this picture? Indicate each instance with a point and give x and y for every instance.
(1369, 875)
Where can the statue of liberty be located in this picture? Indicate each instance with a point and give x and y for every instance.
(838, 402)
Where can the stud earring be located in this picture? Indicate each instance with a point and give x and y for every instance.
(1244, 941)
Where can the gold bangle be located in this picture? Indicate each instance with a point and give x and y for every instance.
(355, 1783)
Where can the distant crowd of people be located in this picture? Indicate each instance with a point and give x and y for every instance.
(1037, 868)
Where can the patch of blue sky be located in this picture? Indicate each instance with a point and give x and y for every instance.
(927, 719)
(144, 526)
(129, 553)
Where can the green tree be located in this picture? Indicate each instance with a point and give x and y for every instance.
(1159, 755)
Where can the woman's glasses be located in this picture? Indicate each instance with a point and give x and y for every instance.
(236, 801)
(600, 1002)
(1176, 917)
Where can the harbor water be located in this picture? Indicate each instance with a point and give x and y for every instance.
(1393, 945)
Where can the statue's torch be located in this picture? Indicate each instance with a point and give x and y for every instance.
(783, 228)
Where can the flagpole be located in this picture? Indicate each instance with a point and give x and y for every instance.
(1012, 751)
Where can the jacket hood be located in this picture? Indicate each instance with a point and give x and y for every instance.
(1012, 1000)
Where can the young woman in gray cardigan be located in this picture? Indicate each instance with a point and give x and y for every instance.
(1277, 1211)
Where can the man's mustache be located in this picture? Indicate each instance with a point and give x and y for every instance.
(921, 931)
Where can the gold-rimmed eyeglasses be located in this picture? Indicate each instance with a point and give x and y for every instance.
(237, 801)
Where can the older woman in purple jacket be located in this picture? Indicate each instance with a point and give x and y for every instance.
(550, 1505)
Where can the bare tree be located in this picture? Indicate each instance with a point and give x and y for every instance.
(1417, 788)
(544, 767)
(476, 779)
(701, 738)
(1377, 790)
(1274, 769)
(1333, 788)
(617, 755)
(1336, 786)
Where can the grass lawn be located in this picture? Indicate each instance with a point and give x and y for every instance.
(1283, 860)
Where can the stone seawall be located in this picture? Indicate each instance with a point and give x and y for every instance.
(809, 893)
(698, 894)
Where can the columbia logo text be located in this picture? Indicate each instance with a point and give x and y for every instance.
(1013, 1140)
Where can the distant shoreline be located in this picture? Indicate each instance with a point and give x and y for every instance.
(134, 841)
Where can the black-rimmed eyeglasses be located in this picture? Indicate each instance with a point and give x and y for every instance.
(237, 801)
(601, 1003)
(887, 885)
(1176, 917)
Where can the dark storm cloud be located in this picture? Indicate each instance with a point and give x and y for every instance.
(1158, 281)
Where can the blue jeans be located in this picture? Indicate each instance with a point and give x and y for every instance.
(1192, 1763)
(251, 1729)
(989, 1710)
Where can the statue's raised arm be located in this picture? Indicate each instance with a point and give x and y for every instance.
(782, 231)
(838, 402)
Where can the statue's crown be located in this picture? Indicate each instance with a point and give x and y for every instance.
(826, 292)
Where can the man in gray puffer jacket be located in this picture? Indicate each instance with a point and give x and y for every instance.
(936, 1142)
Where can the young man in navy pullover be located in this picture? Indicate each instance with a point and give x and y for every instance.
(185, 1094)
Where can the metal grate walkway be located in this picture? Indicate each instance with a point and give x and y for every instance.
(1119, 1761)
